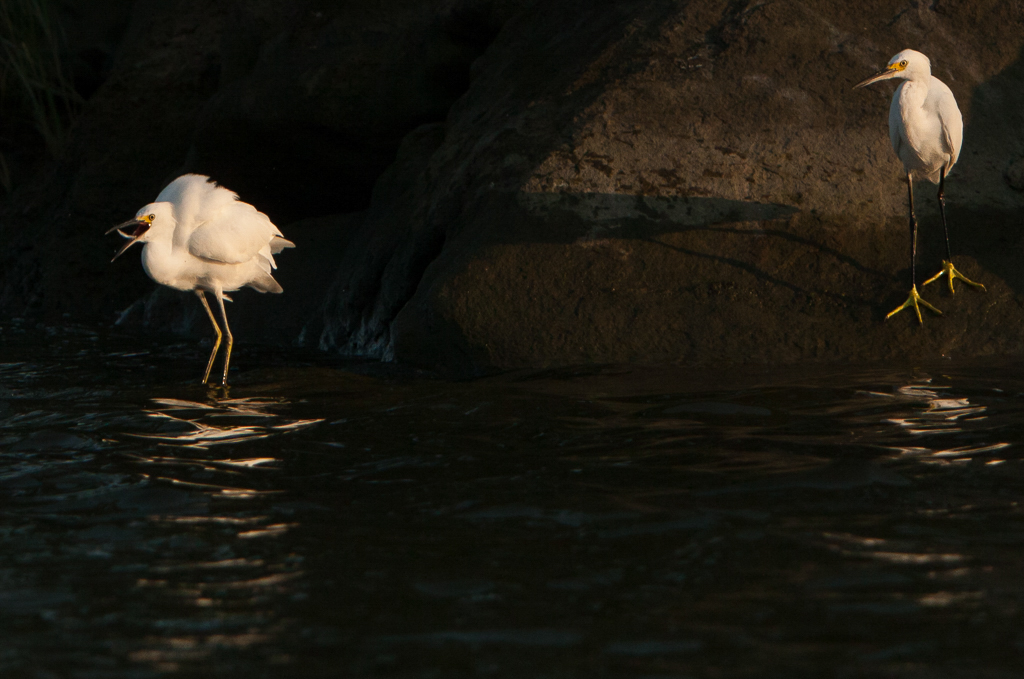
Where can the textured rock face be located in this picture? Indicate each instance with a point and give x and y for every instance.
(699, 183)
(555, 183)
(329, 92)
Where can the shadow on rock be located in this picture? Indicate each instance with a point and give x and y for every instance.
(986, 223)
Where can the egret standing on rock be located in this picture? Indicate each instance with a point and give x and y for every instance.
(926, 131)
(199, 236)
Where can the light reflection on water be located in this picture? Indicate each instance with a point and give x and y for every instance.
(330, 520)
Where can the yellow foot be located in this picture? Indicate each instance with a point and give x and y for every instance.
(913, 301)
(216, 392)
(949, 270)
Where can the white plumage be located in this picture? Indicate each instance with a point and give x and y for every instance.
(926, 131)
(199, 236)
(925, 125)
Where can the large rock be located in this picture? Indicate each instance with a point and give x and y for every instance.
(479, 185)
(697, 182)
(329, 93)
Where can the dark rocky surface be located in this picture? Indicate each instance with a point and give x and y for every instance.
(483, 185)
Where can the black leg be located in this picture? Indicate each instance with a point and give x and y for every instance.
(914, 301)
(942, 211)
(948, 269)
(913, 234)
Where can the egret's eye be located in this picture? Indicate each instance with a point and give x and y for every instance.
(903, 63)
(152, 217)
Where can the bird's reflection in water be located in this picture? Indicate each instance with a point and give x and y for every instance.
(187, 423)
(221, 585)
(933, 432)
(190, 425)
(854, 518)
(946, 414)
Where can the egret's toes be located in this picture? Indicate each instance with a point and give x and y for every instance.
(913, 301)
(951, 272)
(214, 390)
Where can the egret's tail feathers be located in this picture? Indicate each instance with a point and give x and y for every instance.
(264, 282)
(277, 244)
(265, 261)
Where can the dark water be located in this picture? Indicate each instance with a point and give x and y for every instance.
(332, 520)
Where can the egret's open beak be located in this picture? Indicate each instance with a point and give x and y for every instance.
(139, 226)
(884, 74)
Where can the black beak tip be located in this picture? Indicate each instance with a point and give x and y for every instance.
(124, 247)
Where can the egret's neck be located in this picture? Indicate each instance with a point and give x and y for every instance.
(160, 263)
(917, 75)
(911, 94)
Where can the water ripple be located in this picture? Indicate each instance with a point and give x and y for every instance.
(617, 521)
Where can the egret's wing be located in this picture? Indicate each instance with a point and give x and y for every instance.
(236, 234)
(195, 199)
(951, 120)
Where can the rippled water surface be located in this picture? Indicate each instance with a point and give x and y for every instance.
(327, 519)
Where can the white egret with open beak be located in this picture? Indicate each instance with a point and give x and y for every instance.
(199, 236)
(926, 131)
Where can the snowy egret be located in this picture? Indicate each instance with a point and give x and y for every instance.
(926, 131)
(199, 236)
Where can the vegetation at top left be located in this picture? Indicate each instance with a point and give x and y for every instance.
(36, 93)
